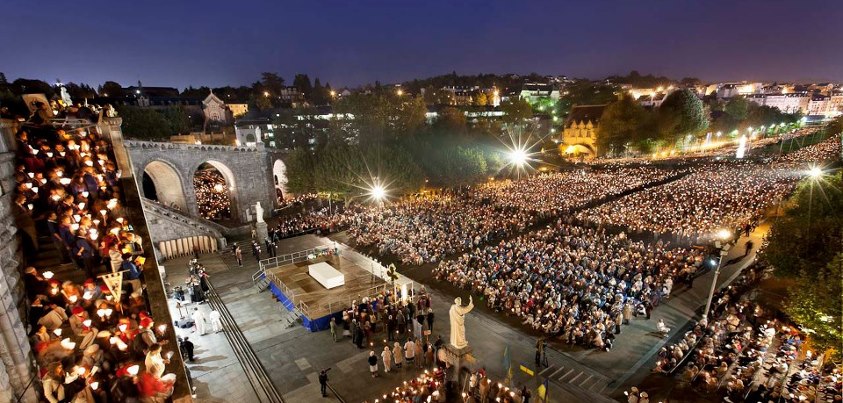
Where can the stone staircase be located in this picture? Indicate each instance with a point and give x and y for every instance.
(167, 223)
(48, 258)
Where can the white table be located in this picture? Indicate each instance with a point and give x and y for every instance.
(326, 275)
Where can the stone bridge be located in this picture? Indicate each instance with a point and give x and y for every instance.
(252, 174)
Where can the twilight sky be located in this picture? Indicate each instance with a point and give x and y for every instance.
(350, 42)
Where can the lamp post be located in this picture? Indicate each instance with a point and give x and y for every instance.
(722, 244)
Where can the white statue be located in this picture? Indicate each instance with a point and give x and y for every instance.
(65, 97)
(457, 314)
(259, 212)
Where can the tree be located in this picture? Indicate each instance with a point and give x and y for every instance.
(143, 124)
(814, 302)
(622, 122)
(300, 167)
(481, 99)
(272, 83)
(451, 120)
(321, 95)
(3, 79)
(111, 89)
(177, 119)
(302, 83)
(811, 231)
(681, 113)
(516, 111)
(738, 108)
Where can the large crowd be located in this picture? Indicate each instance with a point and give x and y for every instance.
(92, 341)
(212, 194)
(577, 283)
(557, 192)
(729, 194)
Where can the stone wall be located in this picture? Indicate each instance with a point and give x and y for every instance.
(249, 168)
(16, 369)
(167, 224)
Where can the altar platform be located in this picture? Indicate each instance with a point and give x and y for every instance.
(297, 289)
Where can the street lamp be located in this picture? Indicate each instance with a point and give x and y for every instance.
(815, 172)
(721, 243)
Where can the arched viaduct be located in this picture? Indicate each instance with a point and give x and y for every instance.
(252, 174)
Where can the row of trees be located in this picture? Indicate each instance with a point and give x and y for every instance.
(681, 118)
(625, 123)
(805, 247)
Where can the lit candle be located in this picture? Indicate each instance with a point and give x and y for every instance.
(95, 385)
(87, 322)
(57, 332)
(133, 370)
(48, 275)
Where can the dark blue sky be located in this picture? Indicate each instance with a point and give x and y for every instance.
(185, 42)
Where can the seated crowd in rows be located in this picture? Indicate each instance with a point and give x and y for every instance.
(574, 282)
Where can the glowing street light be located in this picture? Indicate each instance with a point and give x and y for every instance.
(722, 237)
(400, 92)
(377, 192)
(518, 157)
(815, 172)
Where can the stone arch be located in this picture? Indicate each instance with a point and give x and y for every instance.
(230, 181)
(279, 178)
(169, 187)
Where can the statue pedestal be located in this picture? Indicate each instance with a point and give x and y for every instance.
(457, 358)
(261, 231)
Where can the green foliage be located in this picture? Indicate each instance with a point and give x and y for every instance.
(586, 92)
(383, 115)
(737, 108)
(815, 303)
(451, 120)
(112, 89)
(302, 83)
(623, 122)
(516, 111)
(300, 166)
(149, 124)
(143, 123)
(177, 119)
(811, 231)
(680, 114)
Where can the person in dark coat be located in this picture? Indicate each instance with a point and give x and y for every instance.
(430, 319)
(186, 347)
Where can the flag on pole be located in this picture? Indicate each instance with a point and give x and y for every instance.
(507, 364)
(542, 391)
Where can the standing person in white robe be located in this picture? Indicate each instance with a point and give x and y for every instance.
(200, 321)
(216, 322)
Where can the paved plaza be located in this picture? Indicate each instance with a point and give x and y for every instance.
(293, 355)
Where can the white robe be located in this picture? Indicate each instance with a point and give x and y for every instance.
(201, 322)
(216, 323)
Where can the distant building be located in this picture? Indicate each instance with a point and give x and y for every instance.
(238, 110)
(215, 109)
(292, 96)
(579, 134)
(249, 132)
(787, 103)
(534, 92)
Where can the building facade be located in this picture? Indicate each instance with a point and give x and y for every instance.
(579, 133)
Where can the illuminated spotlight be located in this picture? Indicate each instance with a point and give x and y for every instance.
(518, 157)
(377, 192)
(815, 172)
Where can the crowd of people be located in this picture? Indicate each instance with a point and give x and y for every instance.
(93, 341)
(430, 386)
(728, 194)
(551, 194)
(425, 228)
(577, 283)
(212, 194)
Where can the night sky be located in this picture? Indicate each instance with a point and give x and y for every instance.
(347, 43)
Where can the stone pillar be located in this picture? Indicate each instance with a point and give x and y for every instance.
(262, 231)
(110, 128)
(457, 358)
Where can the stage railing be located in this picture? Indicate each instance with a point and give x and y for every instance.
(289, 258)
(344, 303)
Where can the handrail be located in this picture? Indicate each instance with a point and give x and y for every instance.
(211, 226)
